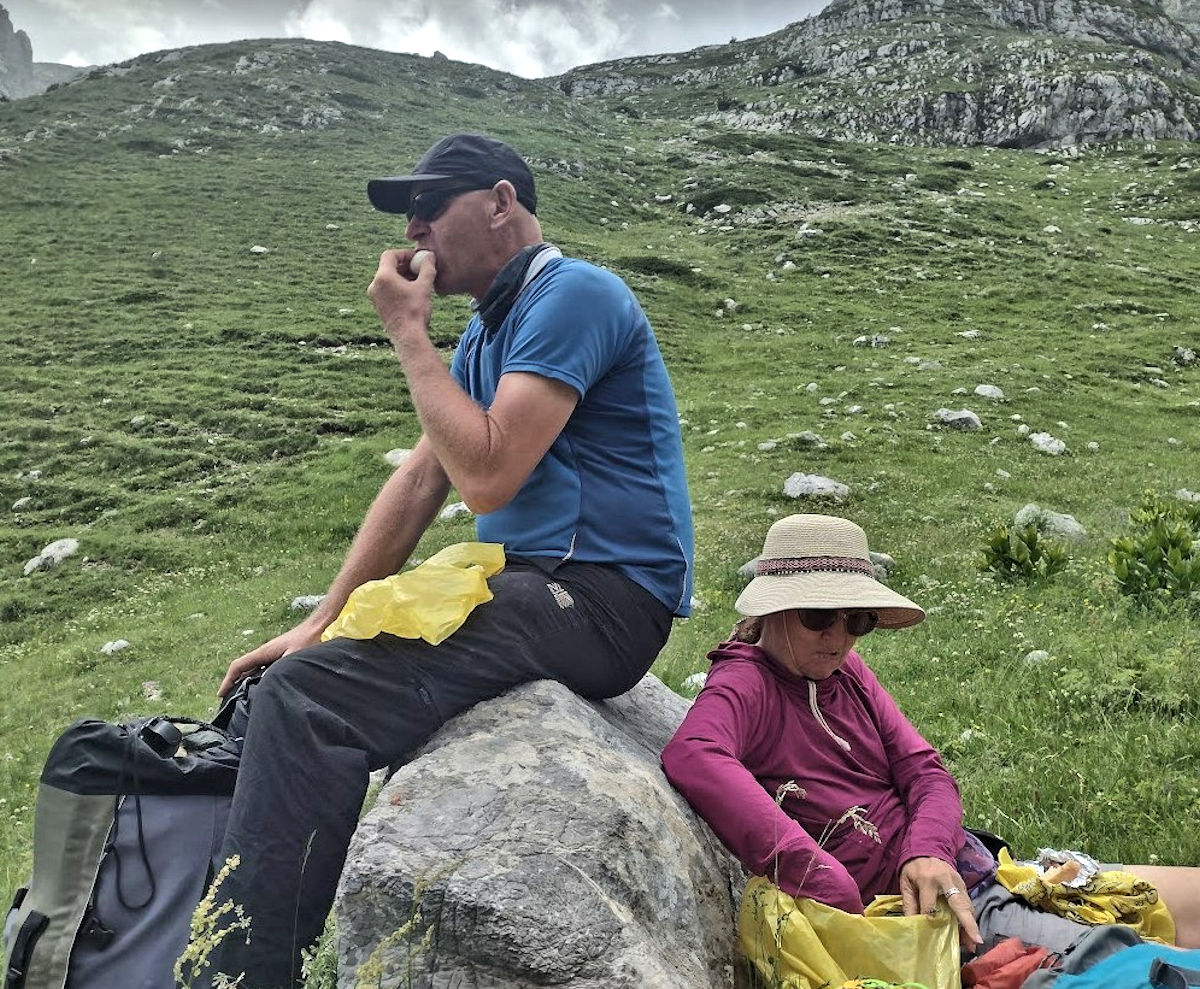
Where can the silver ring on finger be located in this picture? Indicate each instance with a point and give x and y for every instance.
(952, 891)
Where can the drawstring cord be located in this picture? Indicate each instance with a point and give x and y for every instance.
(812, 702)
(812, 695)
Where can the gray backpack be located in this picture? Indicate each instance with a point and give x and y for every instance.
(128, 825)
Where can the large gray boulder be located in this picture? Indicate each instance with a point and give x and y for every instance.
(534, 841)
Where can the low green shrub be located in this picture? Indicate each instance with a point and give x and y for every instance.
(1022, 555)
(1158, 563)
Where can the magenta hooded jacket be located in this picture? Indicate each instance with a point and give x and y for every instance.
(755, 728)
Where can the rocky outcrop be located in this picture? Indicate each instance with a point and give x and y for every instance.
(1016, 73)
(1184, 11)
(534, 841)
(20, 75)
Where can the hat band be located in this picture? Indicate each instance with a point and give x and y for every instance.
(783, 566)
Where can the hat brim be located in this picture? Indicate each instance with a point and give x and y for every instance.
(767, 594)
(392, 194)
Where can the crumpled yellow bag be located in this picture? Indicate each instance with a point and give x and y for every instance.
(803, 944)
(1109, 897)
(430, 601)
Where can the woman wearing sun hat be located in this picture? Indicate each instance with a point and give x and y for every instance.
(792, 730)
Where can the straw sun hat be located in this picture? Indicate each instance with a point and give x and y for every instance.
(818, 561)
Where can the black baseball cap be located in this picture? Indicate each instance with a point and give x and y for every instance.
(471, 159)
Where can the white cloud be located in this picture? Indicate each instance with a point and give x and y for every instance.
(666, 12)
(74, 58)
(533, 39)
(316, 24)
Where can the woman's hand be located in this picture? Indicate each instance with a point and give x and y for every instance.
(925, 880)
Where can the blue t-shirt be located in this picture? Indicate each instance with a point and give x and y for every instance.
(611, 489)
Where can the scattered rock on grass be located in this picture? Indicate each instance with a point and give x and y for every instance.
(22, 503)
(117, 645)
(1036, 656)
(1050, 523)
(52, 555)
(1048, 444)
(814, 486)
(990, 391)
(397, 457)
(808, 439)
(883, 564)
(307, 602)
(961, 419)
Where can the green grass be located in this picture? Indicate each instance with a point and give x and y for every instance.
(209, 423)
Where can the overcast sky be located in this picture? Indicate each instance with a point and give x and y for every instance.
(531, 38)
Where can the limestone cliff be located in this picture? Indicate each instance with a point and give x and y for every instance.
(1025, 73)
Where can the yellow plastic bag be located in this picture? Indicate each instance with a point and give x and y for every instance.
(1109, 897)
(429, 602)
(803, 944)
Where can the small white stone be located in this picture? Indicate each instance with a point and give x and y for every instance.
(21, 503)
(259, 249)
(1048, 444)
(307, 602)
(693, 684)
(1093, 446)
(397, 457)
(115, 646)
(990, 391)
(455, 510)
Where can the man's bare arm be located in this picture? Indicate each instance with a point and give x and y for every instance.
(395, 522)
(487, 453)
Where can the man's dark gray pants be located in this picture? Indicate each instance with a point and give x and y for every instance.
(322, 718)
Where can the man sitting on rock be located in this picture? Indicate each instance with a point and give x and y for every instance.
(556, 423)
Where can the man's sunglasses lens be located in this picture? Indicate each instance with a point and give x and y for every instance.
(429, 205)
(819, 619)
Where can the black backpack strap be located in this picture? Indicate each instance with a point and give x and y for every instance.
(992, 842)
(22, 951)
(1164, 975)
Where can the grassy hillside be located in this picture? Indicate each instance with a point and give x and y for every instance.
(210, 422)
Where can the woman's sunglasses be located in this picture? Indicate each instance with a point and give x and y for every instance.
(819, 619)
(427, 206)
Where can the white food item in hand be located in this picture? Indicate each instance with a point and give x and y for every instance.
(416, 261)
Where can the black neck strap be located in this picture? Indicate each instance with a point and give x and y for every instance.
(506, 286)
